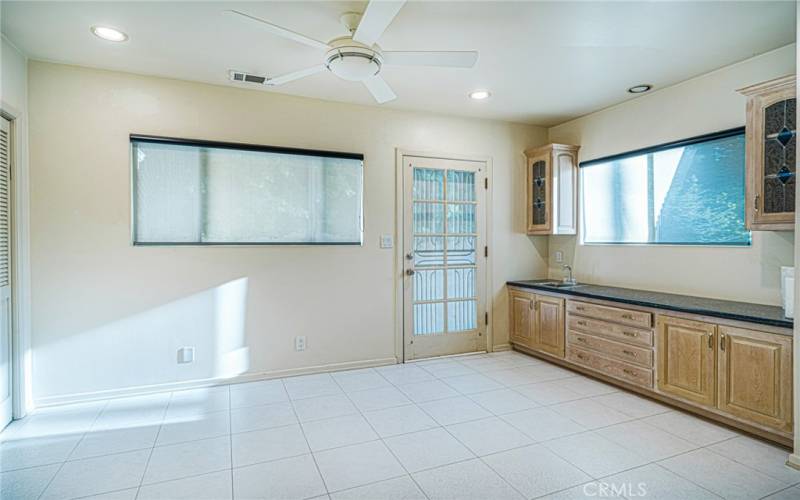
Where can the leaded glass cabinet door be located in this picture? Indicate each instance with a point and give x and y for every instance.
(539, 194)
(444, 257)
(771, 162)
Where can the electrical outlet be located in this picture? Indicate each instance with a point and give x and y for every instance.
(559, 256)
(300, 343)
(387, 241)
(185, 355)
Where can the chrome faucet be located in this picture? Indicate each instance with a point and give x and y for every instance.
(568, 279)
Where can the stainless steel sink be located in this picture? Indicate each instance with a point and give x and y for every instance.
(559, 284)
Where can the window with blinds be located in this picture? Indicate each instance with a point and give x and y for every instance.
(5, 201)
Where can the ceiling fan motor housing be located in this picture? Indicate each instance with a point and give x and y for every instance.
(353, 61)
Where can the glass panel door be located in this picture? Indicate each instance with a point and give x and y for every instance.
(444, 199)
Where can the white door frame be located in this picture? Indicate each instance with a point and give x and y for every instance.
(20, 264)
(398, 238)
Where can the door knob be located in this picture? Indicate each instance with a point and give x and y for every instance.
(410, 272)
(410, 256)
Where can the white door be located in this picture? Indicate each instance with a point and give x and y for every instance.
(444, 256)
(5, 273)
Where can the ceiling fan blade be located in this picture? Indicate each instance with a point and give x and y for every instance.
(452, 59)
(376, 19)
(279, 31)
(295, 75)
(379, 89)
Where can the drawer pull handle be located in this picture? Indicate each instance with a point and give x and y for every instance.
(627, 316)
(580, 308)
(580, 339)
(582, 323)
(629, 353)
(581, 356)
(630, 334)
(629, 372)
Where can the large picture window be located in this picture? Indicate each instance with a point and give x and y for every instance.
(206, 193)
(684, 193)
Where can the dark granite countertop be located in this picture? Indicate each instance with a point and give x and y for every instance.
(728, 309)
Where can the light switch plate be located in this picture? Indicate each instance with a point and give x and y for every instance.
(185, 355)
(559, 256)
(387, 241)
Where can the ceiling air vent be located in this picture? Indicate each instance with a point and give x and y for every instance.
(241, 76)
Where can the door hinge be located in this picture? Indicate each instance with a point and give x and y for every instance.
(485, 251)
(486, 318)
(485, 183)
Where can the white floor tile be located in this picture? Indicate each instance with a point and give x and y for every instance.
(427, 449)
(631, 404)
(792, 493)
(135, 411)
(127, 494)
(311, 386)
(97, 443)
(198, 401)
(448, 369)
(471, 480)
(512, 377)
(656, 483)
(587, 386)
(401, 488)
(590, 414)
(454, 410)
(404, 374)
(376, 399)
(542, 424)
(31, 452)
(188, 459)
(503, 401)
(489, 435)
(357, 465)
(535, 470)
(359, 380)
(473, 383)
(722, 476)
(289, 478)
(692, 429)
(338, 431)
(763, 457)
(399, 420)
(253, 418)
(323, 407)
(194, 427)
(26, 484)
(268, 444)
(214, 486)
(97, 475)
(257, 393)
(647, 441)
(548, 393)
(594, 454)
(587, 491)
(431, 390)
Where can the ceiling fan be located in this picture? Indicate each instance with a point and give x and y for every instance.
(356, 57)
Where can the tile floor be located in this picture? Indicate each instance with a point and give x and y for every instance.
(491, 426)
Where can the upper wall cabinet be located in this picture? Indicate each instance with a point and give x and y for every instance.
(552, 182)
(771, 144)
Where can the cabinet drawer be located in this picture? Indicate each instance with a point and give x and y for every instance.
(637, 355)
(611, 367)
(611, 330)
(608, 313)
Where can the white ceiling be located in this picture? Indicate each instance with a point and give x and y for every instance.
(544, 62)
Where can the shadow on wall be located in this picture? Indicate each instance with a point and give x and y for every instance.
(142, 350)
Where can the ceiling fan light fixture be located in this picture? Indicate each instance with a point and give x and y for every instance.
(640, 89)
(109, 34)
(354, 63)
(479, 95)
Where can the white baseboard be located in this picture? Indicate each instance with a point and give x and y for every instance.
(794, 461)
(195, 384)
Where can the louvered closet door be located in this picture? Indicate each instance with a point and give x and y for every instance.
(5, 272)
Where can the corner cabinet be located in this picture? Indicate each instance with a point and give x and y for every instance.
(551, 189)
(770, 157)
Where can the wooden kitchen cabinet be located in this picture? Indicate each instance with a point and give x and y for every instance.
(549, 325)
(755, 376)
(770, 154)
(687, 359)
(551, 189)
(521, 306)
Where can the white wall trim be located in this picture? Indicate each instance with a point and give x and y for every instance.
(398, 238)
(195, 384)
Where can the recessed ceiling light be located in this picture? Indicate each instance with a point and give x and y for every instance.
(640, 89)
(479, 94)
(110, 34)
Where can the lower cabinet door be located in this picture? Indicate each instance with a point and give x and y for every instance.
(549, 328)
(521, 318)
(686, 359)
(755, 376)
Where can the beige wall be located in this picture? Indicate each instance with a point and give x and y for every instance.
(111, 316)
(705, 104)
